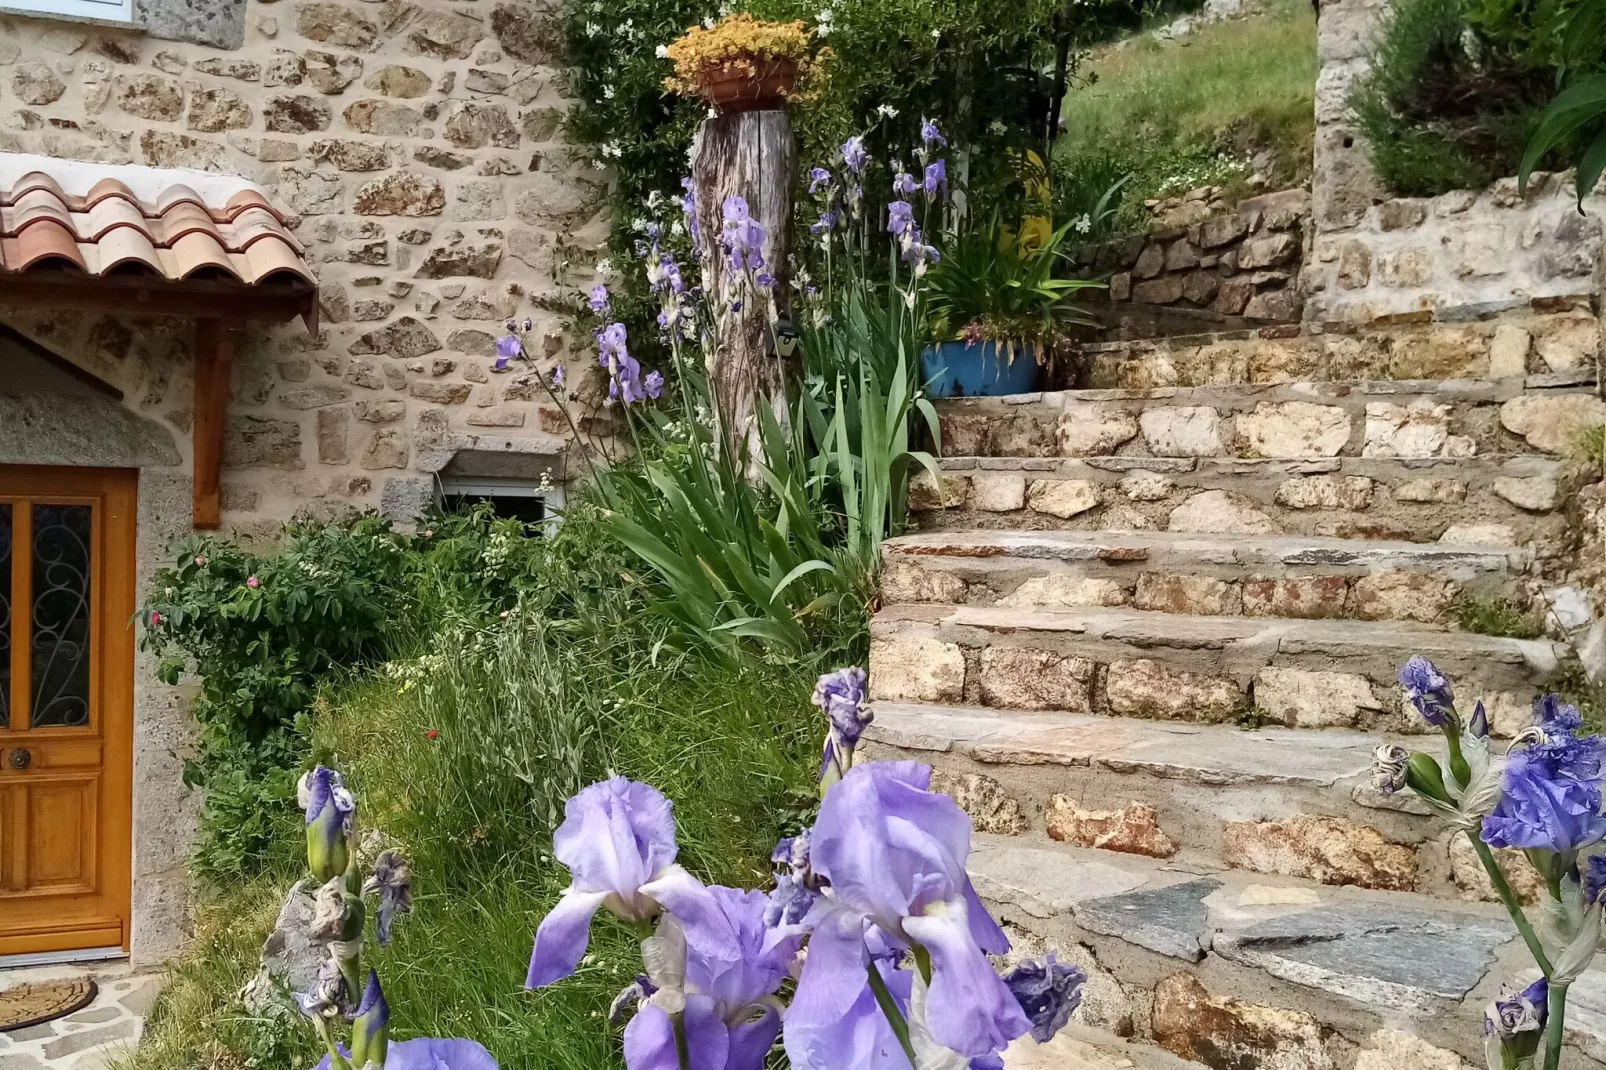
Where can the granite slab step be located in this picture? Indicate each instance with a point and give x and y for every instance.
(1201, 669)
(1504, 501)
(1187, 958)
(1306, 577)
(1214, 796)
(1285, 420)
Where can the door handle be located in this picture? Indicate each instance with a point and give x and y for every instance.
(19, 758)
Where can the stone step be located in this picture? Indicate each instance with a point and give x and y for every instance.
(1180, 572)
(1079, 1047)
(1280, 421)
(1234, 970)
(1200, 669)
(1555, 336)
(1507, 501)
(1270, 800)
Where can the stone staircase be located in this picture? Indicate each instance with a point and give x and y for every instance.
(1147, 637)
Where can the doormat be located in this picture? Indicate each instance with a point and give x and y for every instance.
(30, 1004)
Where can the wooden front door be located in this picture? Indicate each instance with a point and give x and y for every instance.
(66, 707)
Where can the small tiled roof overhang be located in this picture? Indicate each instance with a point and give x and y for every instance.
(70, 229)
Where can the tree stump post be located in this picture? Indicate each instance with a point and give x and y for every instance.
(749, 154)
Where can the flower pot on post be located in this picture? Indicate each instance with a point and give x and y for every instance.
(743, 165)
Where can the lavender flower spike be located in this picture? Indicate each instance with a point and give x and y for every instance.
(894, 855)
(853, 154)
(598, 301)
(930, 136)
(936, 178)
(1049, 992)
(618, 842)
(329, 807)
(1428, 690)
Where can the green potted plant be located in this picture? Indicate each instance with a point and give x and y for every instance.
(995, 309)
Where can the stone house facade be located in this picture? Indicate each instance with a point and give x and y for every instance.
(413, 149)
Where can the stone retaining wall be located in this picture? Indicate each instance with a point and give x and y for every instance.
(1244, 262)
(417, 147)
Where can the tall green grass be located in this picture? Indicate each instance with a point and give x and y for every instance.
(1187, 112)
(461, 753)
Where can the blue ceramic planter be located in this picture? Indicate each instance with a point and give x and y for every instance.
(983, 370)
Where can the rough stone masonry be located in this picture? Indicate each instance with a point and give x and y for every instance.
(416, 143)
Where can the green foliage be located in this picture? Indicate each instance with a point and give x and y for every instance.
(1178, 114)
(1455, 90)
(987, 288)
(1496, 616)
(1574, 124)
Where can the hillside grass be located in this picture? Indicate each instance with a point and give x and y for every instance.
(1192, 111)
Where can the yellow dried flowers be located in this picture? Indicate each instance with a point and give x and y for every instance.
(736, 45)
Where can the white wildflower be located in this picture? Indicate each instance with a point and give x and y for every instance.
(662, 51)
(607, 92)
(593, 30)
(887, 111)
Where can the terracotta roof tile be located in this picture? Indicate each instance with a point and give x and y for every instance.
(58, 213)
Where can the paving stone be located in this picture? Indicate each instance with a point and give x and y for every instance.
(1170, 921)
(89, 1038)
(1228, 1034)
(1398, 958)
(96, 1015)
(1144, 687)
(1043, 882)
(1292, 429)
(991, 809)
(1090, 429)
(1174, 593)
(1063, 498)
(1059, 589)
(1020, 678)
(1329, 850)
(1217, 511)
(1300, 698)
(923, 670)
(1182, 431)
(1133, 829)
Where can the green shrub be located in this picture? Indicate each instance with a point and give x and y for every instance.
(1496, 616)
(1447, 104)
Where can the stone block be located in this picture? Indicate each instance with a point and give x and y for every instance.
(916, 669)
(333, 425)
(1092, 429)
(1413, 596)
(405, 339)
(395, 80)
(997, 492)
(1143, 485)
(1134, 829)
(1467, 871)
(260, 442)
(1390, 1049)
(1058, 589)
(1552, 422)
(1234, 296)
(1508, 352)
(1020, 678)
(1298, 597)
(1301, 698)
(1292, 429)
(1434, 491)
(1354, 265)
(1479, 535)
(1063, 498)
(1266, 250)
(1441, 352)
(1180, 255)
(991, 809)
(1143, 687)
(1537, 494)
(401, 193)
(1329, 850)
(1165, 290)
(925, 494)
(1181, 431)
(905, 580)
(1217, 232)
(1405, 269)
(1201, 287)
(1485, 251)
(1565, 343)
(1218, 512)
(1227, 1034)
(1165, 592)
(1352, 493)
(387, 447)
(1420, 429)
(1149, 263)
(1401, 214)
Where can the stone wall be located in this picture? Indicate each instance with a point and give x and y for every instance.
(1243, 262)
(417, 147)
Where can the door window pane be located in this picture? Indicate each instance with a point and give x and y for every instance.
(5, 613)
(59, 652)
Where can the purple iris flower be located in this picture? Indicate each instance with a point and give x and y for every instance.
(765, 280)
(599, 298)
(688, 210)
(1514, 1012)
(611, 342)
(797, 886)
(557, 377)
(1428, 690)
(618, 842)
(1594, 878)
(1553, 715)
(930, 136)
(370, 1028)
(741, 236)
(653, 384)
(861, 1039)
(431, 1053)
(825, 224)
(1049, 992)
(894, 854)
(936, 178)
(903, 184)
(916, 251)
(507, 347)
(840, 696)
(819, 178)
(328, 807)
(1550, 797)
(900, 218)
(726, 978)
(853, 154)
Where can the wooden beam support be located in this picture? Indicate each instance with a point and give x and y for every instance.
(146, 296)
(214, 352)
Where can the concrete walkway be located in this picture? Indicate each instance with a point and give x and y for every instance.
(87, 1039)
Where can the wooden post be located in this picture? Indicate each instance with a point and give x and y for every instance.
(749, 154)
(214, 351)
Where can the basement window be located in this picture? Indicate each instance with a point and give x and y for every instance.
(96, 10)
(515, 499)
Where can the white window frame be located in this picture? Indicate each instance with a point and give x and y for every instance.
(506, 487)
(115, 11)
